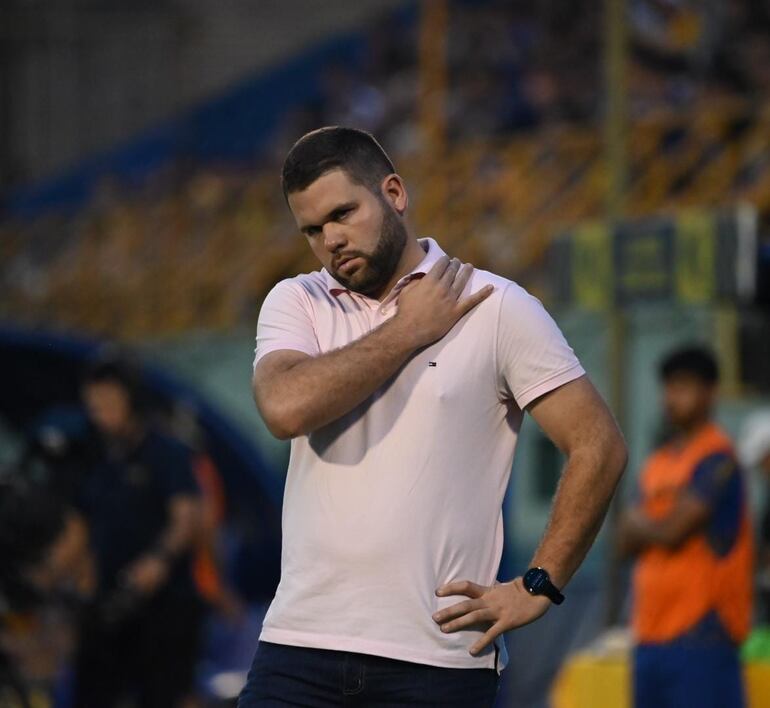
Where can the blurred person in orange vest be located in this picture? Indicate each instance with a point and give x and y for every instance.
(754, 449)
(207, 563)
(207, 568)
(692, 538)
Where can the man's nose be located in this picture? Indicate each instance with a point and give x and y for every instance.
(334, 236)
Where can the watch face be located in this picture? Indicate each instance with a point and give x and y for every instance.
(535, 579)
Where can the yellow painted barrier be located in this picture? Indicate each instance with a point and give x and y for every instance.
(589, 681)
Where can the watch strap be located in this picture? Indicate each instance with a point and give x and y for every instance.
(544, 585)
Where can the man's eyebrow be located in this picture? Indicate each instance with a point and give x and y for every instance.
(340, 207)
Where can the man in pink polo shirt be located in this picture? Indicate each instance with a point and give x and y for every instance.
(401, 377)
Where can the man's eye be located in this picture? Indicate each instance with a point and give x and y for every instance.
(343, 213)
(312, 231)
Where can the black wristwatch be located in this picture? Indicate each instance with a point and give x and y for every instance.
(537, 582)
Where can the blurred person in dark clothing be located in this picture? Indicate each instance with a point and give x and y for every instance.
(139, 639)
(56, 451)
(46, 563)
(692, 538)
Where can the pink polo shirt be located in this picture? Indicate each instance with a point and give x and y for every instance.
(405, 492)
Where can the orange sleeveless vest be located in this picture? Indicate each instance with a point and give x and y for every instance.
(205, 571)
(675, 588)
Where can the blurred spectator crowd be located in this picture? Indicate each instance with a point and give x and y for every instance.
(517, 66)
(197, 246)
(112, 534)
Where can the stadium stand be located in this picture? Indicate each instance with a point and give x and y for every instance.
(198, 241)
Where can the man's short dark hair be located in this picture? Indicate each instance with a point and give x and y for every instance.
(697, 361)
(326, 149)
(114, 369)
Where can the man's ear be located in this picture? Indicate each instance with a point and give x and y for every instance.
(394, 191)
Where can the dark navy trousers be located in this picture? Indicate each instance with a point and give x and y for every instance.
(700, 669)
(320, 678)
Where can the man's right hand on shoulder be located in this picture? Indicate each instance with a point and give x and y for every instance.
(297, 394)
(429, 307)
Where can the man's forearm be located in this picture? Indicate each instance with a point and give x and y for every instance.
(688, 516)
(579, 508)
(299, 395)
(647, 532)
(318, 390)
(183, 528)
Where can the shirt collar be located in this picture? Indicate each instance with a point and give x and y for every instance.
(432, 253)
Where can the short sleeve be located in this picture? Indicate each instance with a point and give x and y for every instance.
(533, 357)
(710, 478)
(173, 463)
(285, 322)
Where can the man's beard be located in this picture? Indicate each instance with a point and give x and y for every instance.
(371, 278)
